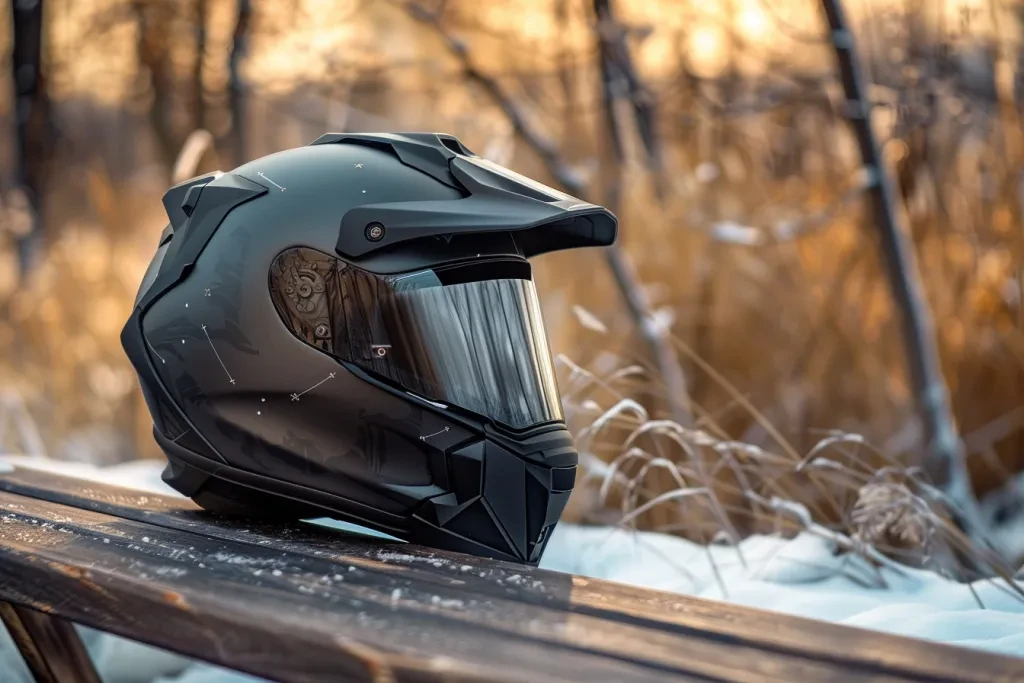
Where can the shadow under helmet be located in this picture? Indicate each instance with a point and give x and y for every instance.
(350, 329)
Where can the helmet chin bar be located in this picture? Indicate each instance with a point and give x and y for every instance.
(505, 490)
(501, 503)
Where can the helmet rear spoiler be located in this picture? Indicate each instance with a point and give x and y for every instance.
(180, 201)
(540, 218)
(190, 229)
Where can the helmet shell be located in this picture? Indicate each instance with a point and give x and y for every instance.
(253, 419)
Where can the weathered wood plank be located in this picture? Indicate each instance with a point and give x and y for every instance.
(508, 588)
(253, 609)
(403, 607)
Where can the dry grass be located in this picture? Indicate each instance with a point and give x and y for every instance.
(648, 473)
(786, 329)
(805, 325)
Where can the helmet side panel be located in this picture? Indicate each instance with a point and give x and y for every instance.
(264, 400)
(256, 417)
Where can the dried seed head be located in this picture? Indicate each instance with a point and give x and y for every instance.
(889, 511)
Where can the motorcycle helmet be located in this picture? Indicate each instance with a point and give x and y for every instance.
(350, 329)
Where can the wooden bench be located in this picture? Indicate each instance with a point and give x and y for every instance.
(304, 603)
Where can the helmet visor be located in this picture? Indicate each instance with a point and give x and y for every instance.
(472, 337)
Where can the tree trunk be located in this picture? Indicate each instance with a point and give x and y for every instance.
(32, 117)
(239, 46)
(198, 92)
(153, 53)
(944, 457)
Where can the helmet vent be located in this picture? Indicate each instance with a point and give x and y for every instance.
(452, 144)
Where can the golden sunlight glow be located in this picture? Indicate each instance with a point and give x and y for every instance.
(706, 50)
(313, 40)
(656, 55)
(753, 22)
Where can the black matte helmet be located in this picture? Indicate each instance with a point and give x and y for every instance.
(350, 329)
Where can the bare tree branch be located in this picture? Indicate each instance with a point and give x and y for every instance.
(543, 146)
(620, 84)
(618, 62)
(621, 268)
(944, 457)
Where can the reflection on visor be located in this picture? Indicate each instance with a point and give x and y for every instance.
(478, 345)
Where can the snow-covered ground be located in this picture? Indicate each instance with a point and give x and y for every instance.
(800, 576)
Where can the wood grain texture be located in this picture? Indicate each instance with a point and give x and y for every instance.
(302, 603)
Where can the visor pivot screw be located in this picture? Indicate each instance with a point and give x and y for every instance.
(382, 352)
(375, 232)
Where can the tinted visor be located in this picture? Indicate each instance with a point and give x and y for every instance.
(472, 337)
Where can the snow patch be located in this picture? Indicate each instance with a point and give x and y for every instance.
(802, 576)
(139, 475)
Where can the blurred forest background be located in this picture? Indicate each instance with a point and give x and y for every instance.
(755, 309)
